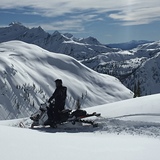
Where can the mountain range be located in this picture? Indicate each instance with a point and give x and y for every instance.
(137, 68)
(128, 45)
(78, 48)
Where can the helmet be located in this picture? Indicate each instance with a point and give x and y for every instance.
(58, 81)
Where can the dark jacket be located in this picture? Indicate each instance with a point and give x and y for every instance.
(59, 95)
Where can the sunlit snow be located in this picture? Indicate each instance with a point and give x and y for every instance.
(128, 129)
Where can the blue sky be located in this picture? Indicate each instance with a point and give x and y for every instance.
(109, 21)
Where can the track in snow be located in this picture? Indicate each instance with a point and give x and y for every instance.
(116, 125)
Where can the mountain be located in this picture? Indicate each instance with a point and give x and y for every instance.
(56, 42)
(137, 68)
(128, 45)
(27, 74)
(126, 65)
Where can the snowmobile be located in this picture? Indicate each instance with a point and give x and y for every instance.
(66, 116)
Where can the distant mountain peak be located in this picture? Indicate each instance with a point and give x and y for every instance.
(129, 45)
(69, 35)
(56, 32)
(15, 24)
(90, 40)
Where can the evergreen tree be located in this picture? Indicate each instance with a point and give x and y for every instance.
(137, 90)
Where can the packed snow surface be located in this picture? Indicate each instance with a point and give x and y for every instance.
(128, 129)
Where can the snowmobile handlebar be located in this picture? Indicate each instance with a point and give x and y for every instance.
(47, 104)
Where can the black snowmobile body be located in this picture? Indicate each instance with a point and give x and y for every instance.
(66, 116)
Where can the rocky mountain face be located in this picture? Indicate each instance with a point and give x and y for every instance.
(137, 68)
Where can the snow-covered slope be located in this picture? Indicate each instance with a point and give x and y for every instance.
(27, 79)
(128, 129)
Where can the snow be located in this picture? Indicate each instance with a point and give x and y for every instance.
(127, 137)
(127, 128)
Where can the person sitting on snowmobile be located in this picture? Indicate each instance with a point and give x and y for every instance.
(59, 97)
